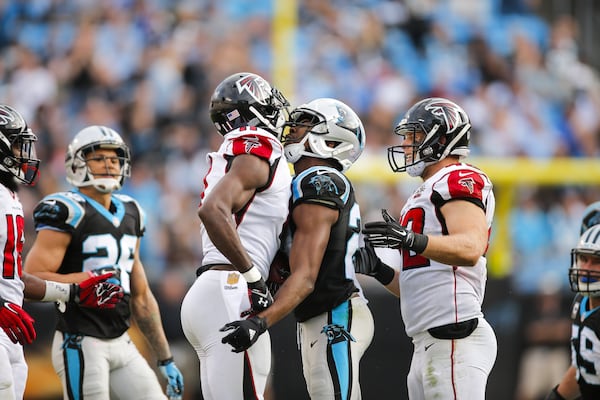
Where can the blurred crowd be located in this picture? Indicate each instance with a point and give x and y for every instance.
(148, 68)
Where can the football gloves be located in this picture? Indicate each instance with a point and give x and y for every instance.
(97, 292)
(245, 333)
(16, 323)
(260, 298)
(366, 262)
(174, 378)
(389, 233)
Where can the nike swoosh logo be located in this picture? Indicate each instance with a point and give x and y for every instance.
(428, 346)
(313, 343)
(463, 174)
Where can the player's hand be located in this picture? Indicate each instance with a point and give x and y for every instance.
(389, 233)
(366, 262)
(245, 333)
(279, 271)
(174, 378)
(260, 297)
(17, 324)
(116, 273)
(97, 292)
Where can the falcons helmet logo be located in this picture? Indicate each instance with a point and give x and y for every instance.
(450, 112)
(257, 87)
(5, 117)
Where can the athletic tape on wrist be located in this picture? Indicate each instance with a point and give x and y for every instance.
(252, 275)
(56, 291)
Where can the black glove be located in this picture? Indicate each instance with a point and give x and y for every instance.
(389, 233)
(258, 292)
(245, 333)
(366, 262)
(554, 395)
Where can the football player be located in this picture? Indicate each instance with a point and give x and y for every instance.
(243, 209)
(582, 378)
(442, 237)
(335, 326)
(19, 164)
(87, 232)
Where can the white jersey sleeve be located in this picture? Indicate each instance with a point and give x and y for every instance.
(260, 222)
(12, 238)
(434, 294)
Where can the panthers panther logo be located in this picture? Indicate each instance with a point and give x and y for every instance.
(324, 184)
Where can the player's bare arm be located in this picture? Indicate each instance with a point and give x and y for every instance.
(313, 227)
(467, 237)
(233, 191)
(145, 310)
(46, 255)
(568, 387)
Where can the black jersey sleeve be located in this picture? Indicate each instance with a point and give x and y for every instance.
(321, 185)
(59, 211)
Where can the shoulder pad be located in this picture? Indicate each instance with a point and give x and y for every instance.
(256, 142)
(128, 199)
(321, 185)
(62, 211)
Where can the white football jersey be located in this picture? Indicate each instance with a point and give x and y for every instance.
(431, 293)
(261, 221)
(12, 238)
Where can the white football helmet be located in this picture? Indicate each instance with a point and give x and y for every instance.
(591, 216)
(334, 132)
(88, 140)
(584, 280)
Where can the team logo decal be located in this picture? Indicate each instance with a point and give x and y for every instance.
(257, 87)
(446, 110)
(324, 184)
(469, 183)
(251, 143)
(336, 333)
(5, 118)
(233, 278)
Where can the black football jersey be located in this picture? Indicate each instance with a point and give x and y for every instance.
(585, 346)
(101, 240)
(335, 283)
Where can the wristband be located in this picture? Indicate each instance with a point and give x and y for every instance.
(162, 363)
(554, 395)
(385, 273)
(56, 291)
(252, 275)
(419, 243)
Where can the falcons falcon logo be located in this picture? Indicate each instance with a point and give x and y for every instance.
(451, 114)
(5, 118)
(251, 143)
(257, 87)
